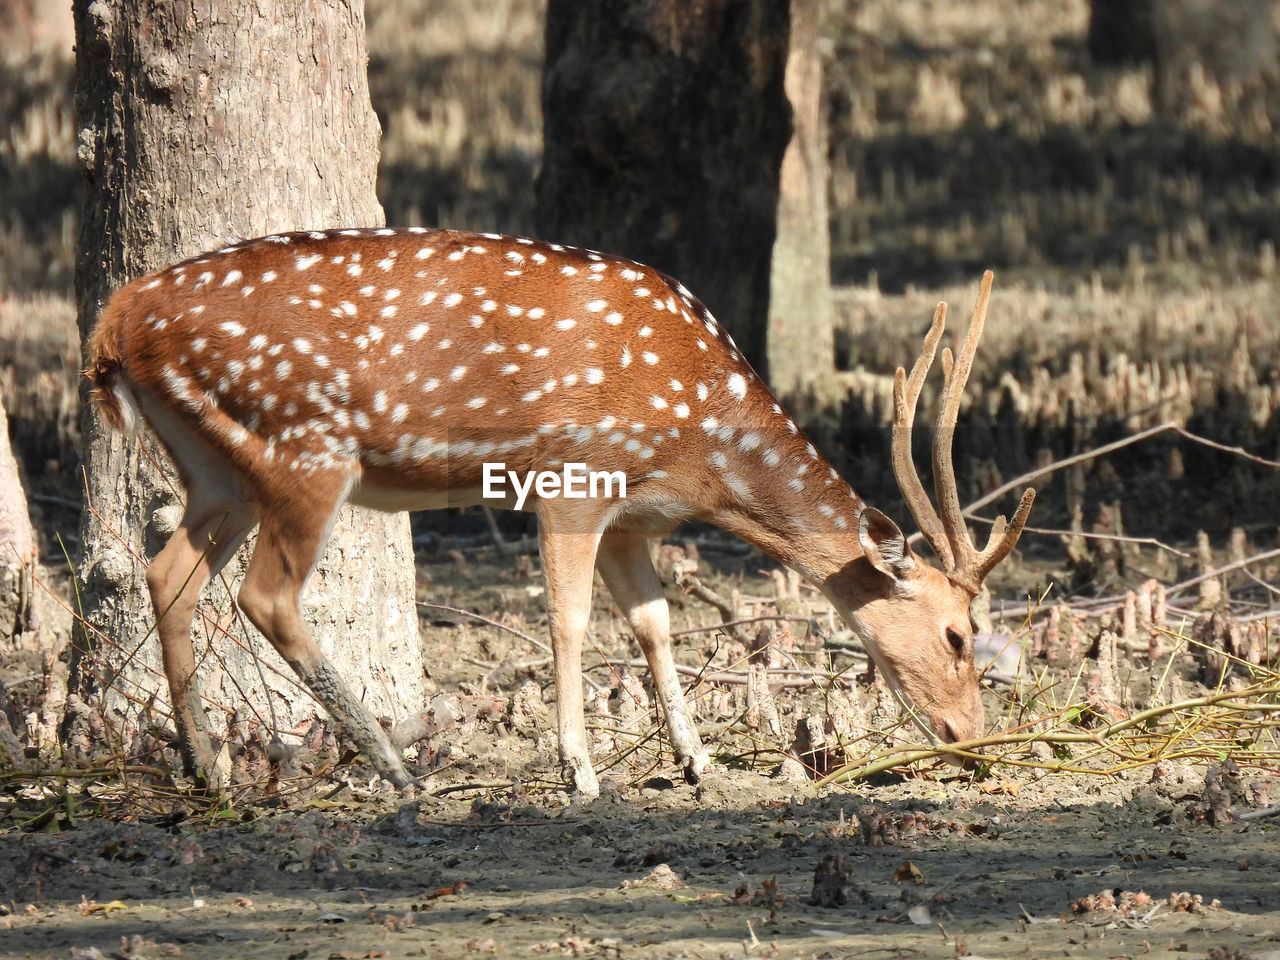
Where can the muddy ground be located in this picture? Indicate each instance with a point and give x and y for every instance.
(493, 859)
(725, 869)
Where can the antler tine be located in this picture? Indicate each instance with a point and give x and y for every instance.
(1003, 537)
(944, 475)
(905, 394)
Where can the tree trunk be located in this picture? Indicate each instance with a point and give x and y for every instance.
(203, 121)
(664, 128)
(801, 341)
(17, 547)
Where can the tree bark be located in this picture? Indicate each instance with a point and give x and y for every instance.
(664, 127)
(203, 121)
(800, 339)
(17, 547)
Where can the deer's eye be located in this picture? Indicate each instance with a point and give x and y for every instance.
(956, 639)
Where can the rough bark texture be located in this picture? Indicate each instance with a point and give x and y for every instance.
(665, 122)
(201, 122)
(17, 547)
(800, 339)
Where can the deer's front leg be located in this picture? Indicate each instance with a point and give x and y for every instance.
(627, 569)
(568, 561)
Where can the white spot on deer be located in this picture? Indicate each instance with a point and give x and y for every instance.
(354, 269)
(596, 306)
(568, 271)
(152, 285)
(392, 293)
(384, 232)
(489, 306)
(427, 298)
(430, 384)
(796, 484)
(616, 437)
(444, 344)
(380, 402)
(645, 331)
(257, 342)
(813, 454)
(570, 380)
(236, 369)
(510, 368)
(269, 401)
(494, 347)
(771, 457)
(649, 357)
(681, 410)
(568, 323)
(232, 329)
(366, 291)
(513, 310)
(658, 402)
(737, 385)
(541, 352)
(457, 373)
(531, 396)
(245, 291)
(626, 357)
(476, 321)
(388, 311)
(399, 412)
(515, 256)
(301, 345)
(709, 425)
(842, 523)
(791, 426)
(305, 263)
(386, 263)
(748, 441)
(718, 460)
(452, 300)
(233, 276)
(347, 307)
(425, 253)
(737, 485)
(203, 279)
(537, 313)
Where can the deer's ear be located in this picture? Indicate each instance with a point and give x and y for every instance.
(884, 545)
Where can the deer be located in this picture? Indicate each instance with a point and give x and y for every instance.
(288, 375)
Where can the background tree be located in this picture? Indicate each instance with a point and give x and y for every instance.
(17, 547)
(665, 123)
(800, 341)
(200, 123)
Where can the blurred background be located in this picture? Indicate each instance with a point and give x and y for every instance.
(1117, 164)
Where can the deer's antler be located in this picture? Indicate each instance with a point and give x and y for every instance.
(947, 534)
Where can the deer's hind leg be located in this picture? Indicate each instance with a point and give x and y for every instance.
(214, 524)
(291, 538)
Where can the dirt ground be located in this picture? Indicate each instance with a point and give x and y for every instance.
(493, 859)
(725, 869)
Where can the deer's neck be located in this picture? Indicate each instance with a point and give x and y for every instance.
(808, 519)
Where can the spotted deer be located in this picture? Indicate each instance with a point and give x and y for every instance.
(291, 374)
